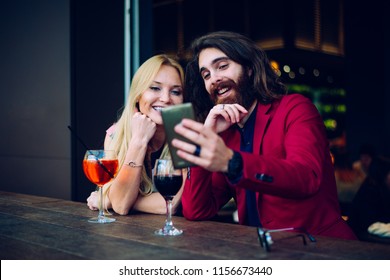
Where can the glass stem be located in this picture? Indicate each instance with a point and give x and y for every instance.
(101, 210)
(168, 221)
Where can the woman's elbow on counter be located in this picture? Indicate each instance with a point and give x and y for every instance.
(123, 211)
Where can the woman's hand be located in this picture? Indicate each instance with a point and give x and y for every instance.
(93, 201)
(143, 128)
(222, 116)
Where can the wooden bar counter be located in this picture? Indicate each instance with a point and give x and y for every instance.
(35, 227)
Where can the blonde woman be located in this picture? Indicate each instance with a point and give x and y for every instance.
(138, 138)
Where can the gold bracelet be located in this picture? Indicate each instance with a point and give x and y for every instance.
(133, 164)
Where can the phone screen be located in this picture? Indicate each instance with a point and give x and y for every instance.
(171, 116)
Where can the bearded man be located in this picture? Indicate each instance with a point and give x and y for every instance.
(255, 143)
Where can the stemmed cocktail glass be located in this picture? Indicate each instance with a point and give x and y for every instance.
(168, 181)
(100, 167)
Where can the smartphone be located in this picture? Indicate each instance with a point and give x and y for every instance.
(171, 116)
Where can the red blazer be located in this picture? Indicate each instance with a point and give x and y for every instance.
(291, 146)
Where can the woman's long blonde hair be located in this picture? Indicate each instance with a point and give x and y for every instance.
(142, 80)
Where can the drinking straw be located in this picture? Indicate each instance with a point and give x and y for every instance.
(89, 150)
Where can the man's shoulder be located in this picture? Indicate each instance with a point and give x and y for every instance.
(295, 97)
(297, 103)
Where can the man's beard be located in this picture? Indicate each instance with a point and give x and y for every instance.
(244, 94)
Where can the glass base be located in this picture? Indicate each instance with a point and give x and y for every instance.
(107, 213)
(101, 220)
(171, 231)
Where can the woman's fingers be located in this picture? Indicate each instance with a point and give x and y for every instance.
(93, 200)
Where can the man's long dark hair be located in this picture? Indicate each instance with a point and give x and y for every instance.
(265, 83)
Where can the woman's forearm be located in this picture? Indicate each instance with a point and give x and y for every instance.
(124, 190)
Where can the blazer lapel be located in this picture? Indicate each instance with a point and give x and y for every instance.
(262, 120)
